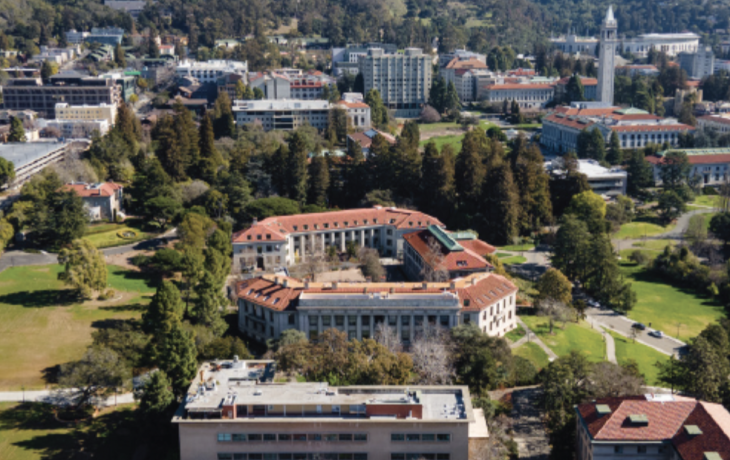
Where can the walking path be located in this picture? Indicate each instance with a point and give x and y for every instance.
(610, 348)
(57, 398)
(533, 337)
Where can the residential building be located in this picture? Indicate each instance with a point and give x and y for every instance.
(358, 112)
(291, 84)
(209, 71)
(133, 7)
(435, 254)
(636, 128)
(607, 182)
(529, 96)
(73, 129)
(403, 79)
(698, 64)
(58, 55)
(269, 305)
(721, 124)
(708, 166)
(103, 201)
(105, 35)
(284, 114)
(233, 411)
(287, 240)
(672, 44)
(30, 158)
(32, 94)
(460, 71)
(274, 86)
(461, 55)
(106, 112)
(606, 59)
(345, 60)
(365, 139)
(652, 426)
(589, 88)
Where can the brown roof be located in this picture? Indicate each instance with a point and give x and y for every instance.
(695, 159)
(471, 63)
(653, 128)
(88, 190)
(585, 81)
(467, 259)
(715, 119)
(485, 292)
(276, 228)
(714, 422)
(354, 105)
(267, 292)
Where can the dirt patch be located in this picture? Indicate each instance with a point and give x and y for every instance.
(441, 132)
(119, 297)
(349, 275)
(124, 259)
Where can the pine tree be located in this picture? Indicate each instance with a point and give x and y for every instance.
(224, 120)
(378, 112)
(157, 397)
(127, 124)
(409, 162)
(176, 356)
(165, 310)
(437, 94)
(574, 90)
(571, 248)
(451, 98)
(153, 50)
(279, 171)
(207, 308)
(410, 136)
(382, 159)
(533, 184)
(357, 175)
(597, 146)
(210, 159)
(297, 167)
(500, 207)
(17, 132)
(438, 191)
(119, 58)
(319, 180)
(169, 151)
(470, 169)
(187, 137)
(614, 155)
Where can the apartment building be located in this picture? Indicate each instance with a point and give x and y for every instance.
(652, 426)
(291, 84)
(708, 166)
(460, 71)
(269, 305)
(233, 411)
(32, 94)
(345, 60)
(106, 112)
(403, 79)
(435, 254)
(698, 64)
(287, 240)
(529, 96)
(283, 114)
(209, 71)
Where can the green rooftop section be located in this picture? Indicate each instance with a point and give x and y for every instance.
(462, 236)
(638, 419)
(445, 239)
(631, 111)
(603, 409)
(692, 430)
(692, 152)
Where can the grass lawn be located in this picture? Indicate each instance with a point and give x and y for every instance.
(503, 254)
(654, 245)
(514, 260)
(448, 139)
(41, 325)
(644, 356)
(454, 140)
(707, 200)
(106, 235)
(664, 305)
(533, 353)
(516, 333)
(635, 230)
(30, 432)
(575, 336)
(429, 127)
(518, 247)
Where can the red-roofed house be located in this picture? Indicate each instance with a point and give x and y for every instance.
(365, 139)
(103, 201)
(286, 240)
(357, 111)
(269, 305)
(436, 255)
(711, 166)
(662, 427)
(530, 96)
(460, 72)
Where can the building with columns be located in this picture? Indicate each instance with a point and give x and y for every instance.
(606, 58)
(287, 240)
(269, 305)
(707, 166)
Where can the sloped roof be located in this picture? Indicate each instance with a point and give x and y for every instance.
(454, 258)
(105, 189)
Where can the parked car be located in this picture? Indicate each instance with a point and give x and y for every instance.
(657, 334)
(638, 326)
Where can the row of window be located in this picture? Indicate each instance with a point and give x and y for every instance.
(281, 437)
(420, 456)
(291, 456)
(417, 437)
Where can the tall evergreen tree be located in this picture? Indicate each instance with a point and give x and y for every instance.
(437, 94)
(17, 132)
(533, 184)
(210, 158)
(127, 124)
(357, 175)
(165, 310)
(176, 356)
(279, 171)
(119, 58)
(470, 169)
(438, 191)
(378, 112)
(169, 150)
(297, 167)
(614, 155)
(187, 137)
(157, 397)
(640, 173)
(383, 163)
(451, 98)
(410, 136)
(572, 247)
(224, 125)
(500, 207)
(319, 180)
(207, 308)
(574, 90)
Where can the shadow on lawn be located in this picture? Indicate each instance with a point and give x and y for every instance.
(123, 308)
(647, 276)
(41, 298)
(130, 275)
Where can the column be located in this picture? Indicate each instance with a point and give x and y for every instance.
(324, 245)
(359, 325)
(342, 241)
(301, 248)
(372, 239)
(319, 325)
(362, 238)
(398, 327)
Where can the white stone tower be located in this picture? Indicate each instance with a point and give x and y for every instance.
(606, 58)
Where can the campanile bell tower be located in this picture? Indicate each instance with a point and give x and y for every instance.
(606, 57)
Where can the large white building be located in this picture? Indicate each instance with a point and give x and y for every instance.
(716, 122)
(460, 71)
(282, 114)
(671, 44)
(269, 305)
(102, 111)
(358, 112)
(530, 96)
(75, 129)
(708, 166)
(607, 182)
(698, 64)
(233, 410)
(209, 71)
(403, 79)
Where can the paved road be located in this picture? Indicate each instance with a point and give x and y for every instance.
(52, 397)
(613, 321)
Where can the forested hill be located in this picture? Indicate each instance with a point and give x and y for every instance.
(478, 24)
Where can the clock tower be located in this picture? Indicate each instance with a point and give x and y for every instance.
(606, 58)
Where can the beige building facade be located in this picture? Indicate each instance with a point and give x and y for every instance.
(106, 112)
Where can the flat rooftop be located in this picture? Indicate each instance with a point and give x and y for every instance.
(247, 386)
(23, 153)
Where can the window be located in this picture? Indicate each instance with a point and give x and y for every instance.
(314, 437)
(618, 449)
(428, 437)
(443, 437)
(339, 320)
(397, 456)
(254, 437)
(345, 437)
(413, 437)
(397, 437)
(300, 437)
(224, 437)
(360, 437)
(239, 437)
(225, 456)
(269, 437)
(284, 437)
(641, 449)
(330, 437)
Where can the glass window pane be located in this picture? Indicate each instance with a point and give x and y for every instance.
(428, 437)
(397, 437)
(284, 437)
(345, 437)
(254, 437)
(413, 437)
(239, 437)
(361, 437)
(444, 437)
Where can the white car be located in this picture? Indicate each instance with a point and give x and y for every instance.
(657, 334)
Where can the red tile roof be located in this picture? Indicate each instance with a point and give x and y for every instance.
(485, 292)
(471, 63)
(714, 422)
(278, 227)
(353, 105)
(715, 119)
(467, 259)
(695, 159)
(88, 190)
(267, 292)
(521, 72)
(585, 81)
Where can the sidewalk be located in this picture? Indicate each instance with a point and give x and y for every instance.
(610, 348)
(534, 338)
(56, 398)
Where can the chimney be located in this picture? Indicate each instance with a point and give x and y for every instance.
(255, 221)
(452, 285)
(277, 280)
(424, 285)
(392, 290)
(335, 284)
(306, 283)
(286, 282)
(474, 281)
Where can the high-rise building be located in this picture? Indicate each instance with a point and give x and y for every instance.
(606, 58)
(403, 79)
(698, 64)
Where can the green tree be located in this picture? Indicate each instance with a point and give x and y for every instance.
(17, 132)
(258, 94)
(720, 226)
(500, 205)
(162, 209)
(553, 285)
(165, 310)
(469, 168)
(533, 184)
(297, 167)
(192, 267)
(591, 144)
(574, 90)
(210, 158)
(674, 169)
(207, 308)
(590, 208)
(84, 268)
(451, 98)
(156, 397)
(272, 206)
(357, 175)
(119, 58)
(48, 69)
(7, 171)
(570, 251)
(437, 94)
(378, 112)
(670, 205)
(224, 125)
(640, 173)
(169, 151)
(60, 219)
(319, 180)
(383, 163)
(97, 374)
(614, 155)
(438, 190)
(177, 358)
(193, 230)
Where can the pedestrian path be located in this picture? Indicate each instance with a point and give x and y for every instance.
(57, 398)
(610, 348)
(534, 338)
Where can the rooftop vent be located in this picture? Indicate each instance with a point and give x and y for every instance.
(603, 409)
(692, 430)
(638, 419)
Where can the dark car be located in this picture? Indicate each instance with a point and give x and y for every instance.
(638, 326)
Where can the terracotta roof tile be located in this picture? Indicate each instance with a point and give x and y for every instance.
(714, 422)
(468, 259)
(715, 119)
(485, 292)
(87, 190)
(695, 159)
(268, 293)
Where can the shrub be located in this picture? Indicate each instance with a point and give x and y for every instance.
(639, 257)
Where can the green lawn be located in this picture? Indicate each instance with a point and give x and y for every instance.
(41, 325)
(516, 333)
(636, 230)
(503, 254)
(533, 353)
(30, 432)
(707, 200)
(107, 235)
(664, 305)
(514, 260)
(430, 127)
(454, 140)
(645, 357)
(448, 139)
(654, 245)
(575, 336)
(518, 247)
